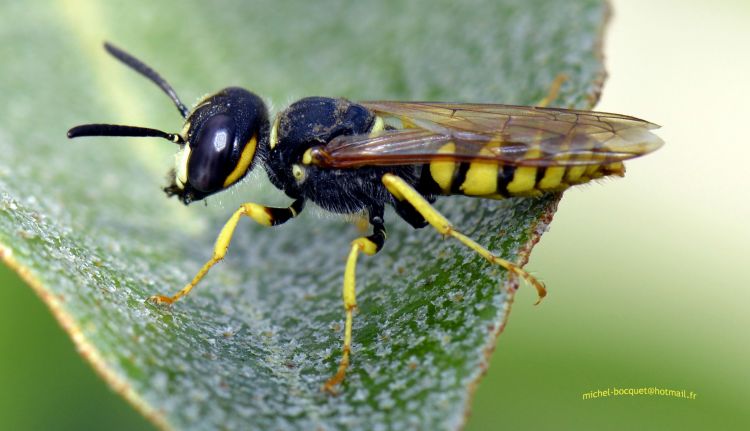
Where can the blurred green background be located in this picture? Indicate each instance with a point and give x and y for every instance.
(646, 276)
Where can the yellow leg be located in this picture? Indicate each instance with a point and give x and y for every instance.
(554, 89)
(404, 192)
(368, 245)
(261, 214)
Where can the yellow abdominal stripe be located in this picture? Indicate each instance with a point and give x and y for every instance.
(377, 125)
(574, 174)
(552, 179)
(524, 177)
(481, 178)
(442, 171)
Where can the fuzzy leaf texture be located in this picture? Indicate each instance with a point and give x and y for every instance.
(86, 225)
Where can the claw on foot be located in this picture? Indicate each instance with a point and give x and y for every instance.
(330, 388)
(160, 300)
(331, 385)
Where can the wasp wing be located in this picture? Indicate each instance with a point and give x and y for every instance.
(506, 134)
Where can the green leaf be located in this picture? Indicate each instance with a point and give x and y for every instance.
(85, 223)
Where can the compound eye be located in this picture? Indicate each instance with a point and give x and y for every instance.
(211, 154)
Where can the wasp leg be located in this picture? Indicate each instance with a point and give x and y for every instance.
(266, 216)
(410, 215)
(368, 245)
(554, 89)
(403, 192)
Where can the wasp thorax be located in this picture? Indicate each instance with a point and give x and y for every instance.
(305, 124)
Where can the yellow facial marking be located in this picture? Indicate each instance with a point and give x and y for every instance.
(245, 158)
(481, 178)
(273, 140)
(442, 171)
(180, 166)
(185, 129)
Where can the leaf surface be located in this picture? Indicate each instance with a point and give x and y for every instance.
(85, 224)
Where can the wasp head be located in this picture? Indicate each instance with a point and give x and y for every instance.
(221, 142)
(222, 137)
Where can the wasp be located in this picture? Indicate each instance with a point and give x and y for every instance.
(361, 157)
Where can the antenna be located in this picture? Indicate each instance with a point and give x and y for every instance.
(149, 73)
(117, 130)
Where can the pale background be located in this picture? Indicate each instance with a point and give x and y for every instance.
(647, 274)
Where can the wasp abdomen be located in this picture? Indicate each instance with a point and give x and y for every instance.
(495, 180)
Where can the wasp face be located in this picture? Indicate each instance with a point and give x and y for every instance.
(221, 144)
